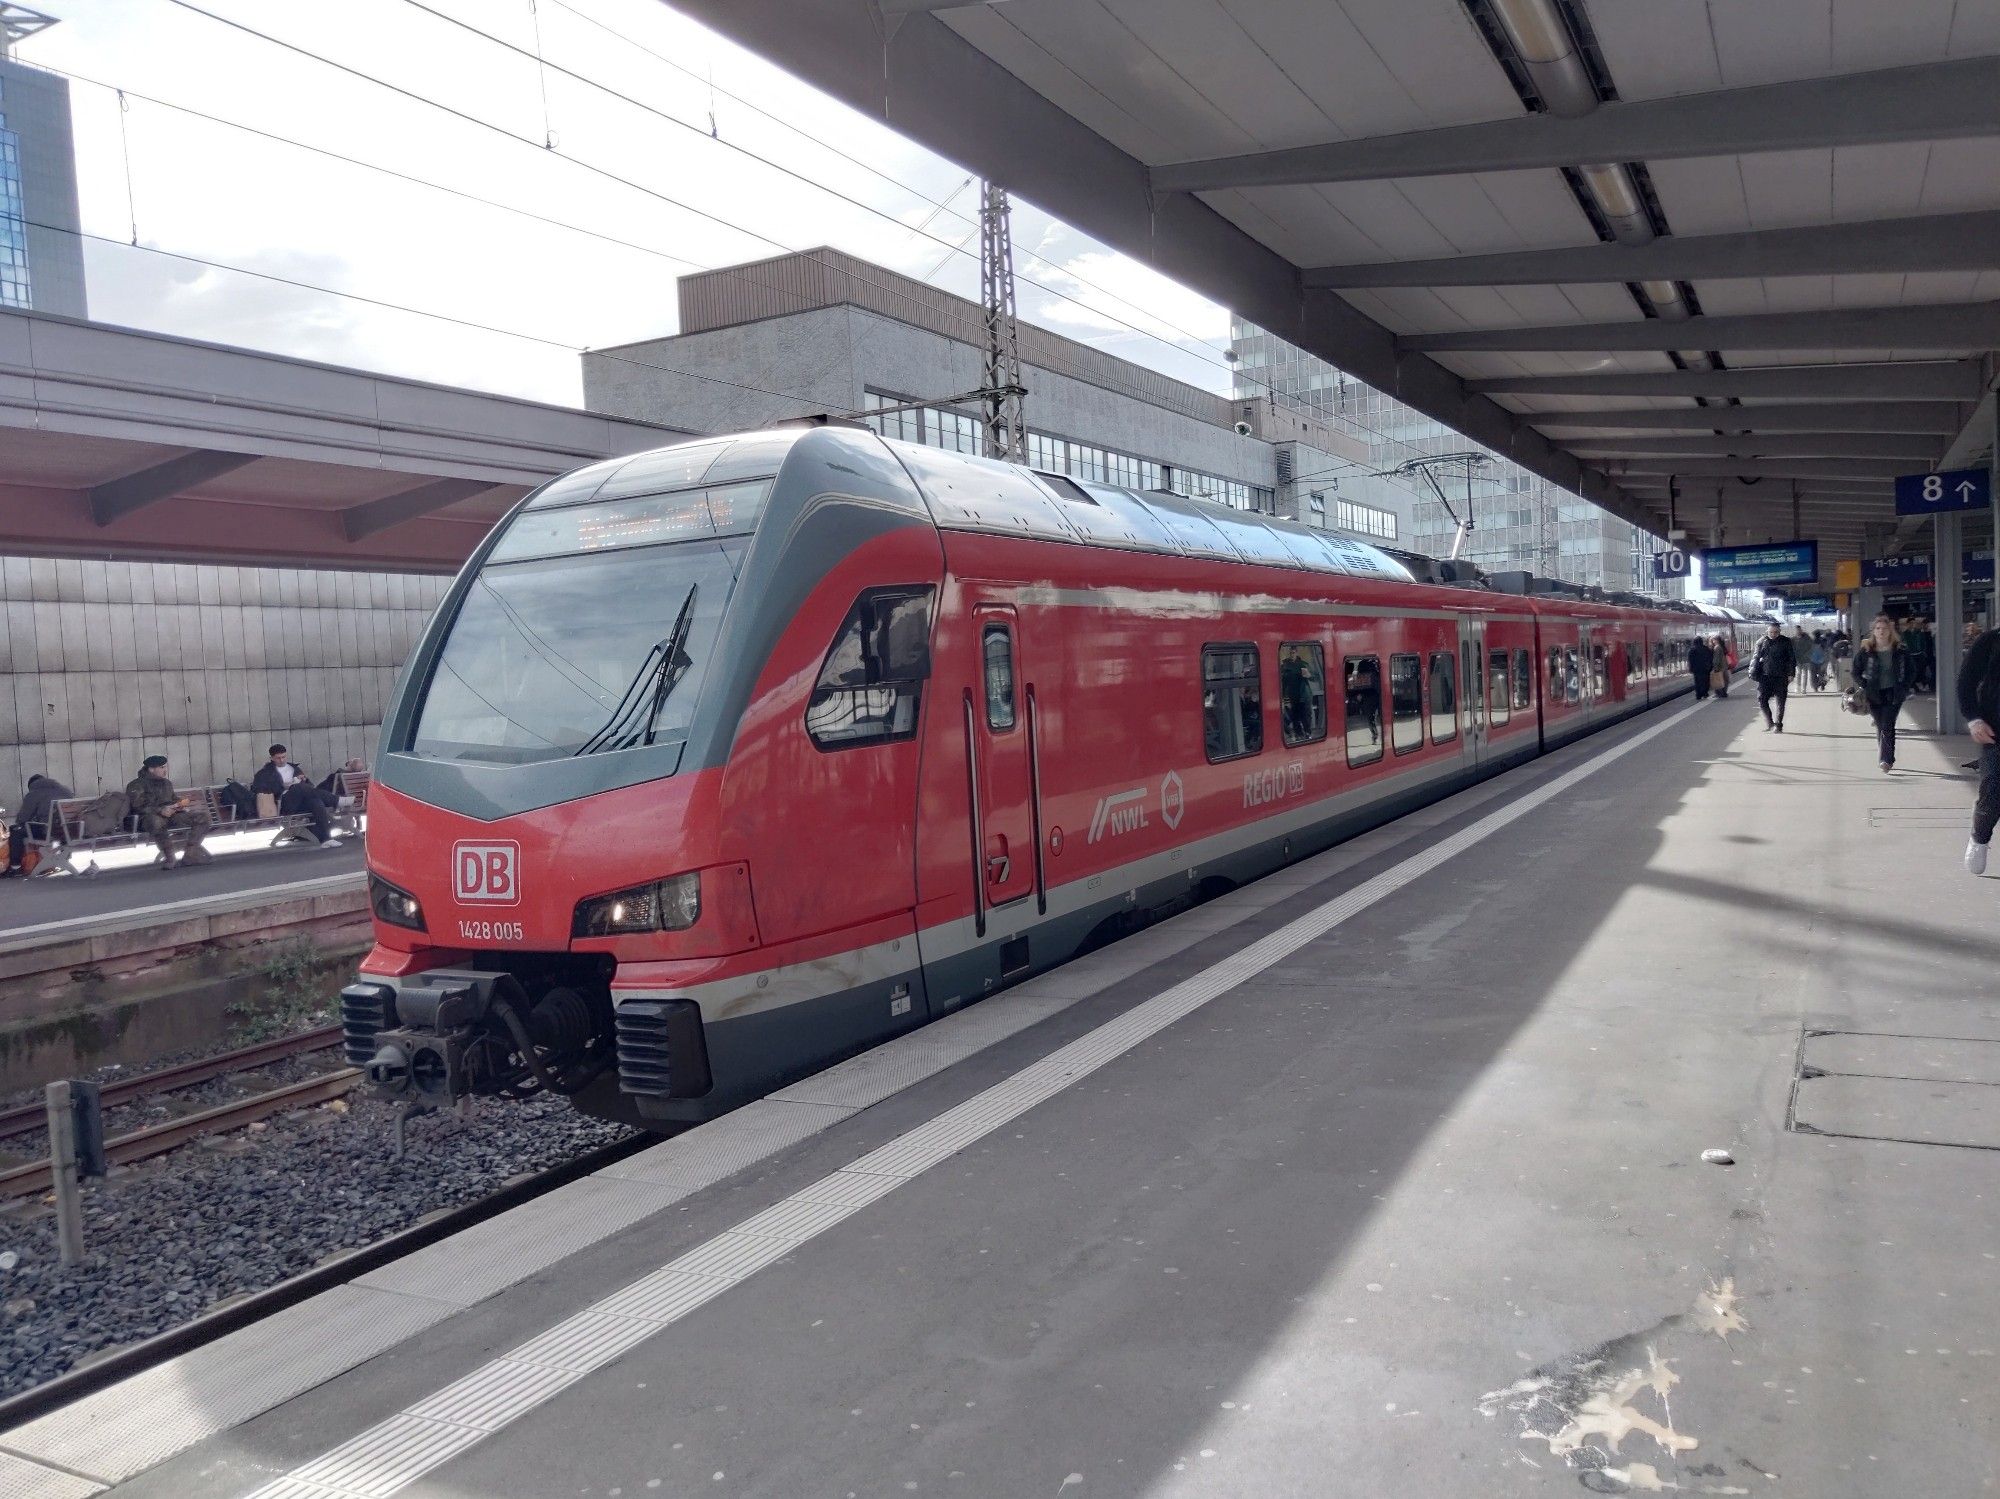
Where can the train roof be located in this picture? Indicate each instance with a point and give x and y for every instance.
(966, 492)
(969, 493)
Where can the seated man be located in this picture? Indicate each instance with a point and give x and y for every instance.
(296, 795)
(160, 810)
(330, 787)
(37, 811)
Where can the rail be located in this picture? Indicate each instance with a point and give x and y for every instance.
(30, 1117)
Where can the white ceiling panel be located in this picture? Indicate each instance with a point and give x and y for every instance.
(1785, 189)
(1880, 182)
(1656, 51)
(1961, 175)
(1772, 41)
(1975, 29)
(1051, 74)
(1433, 50)
(1328, 60)
(1394, 227)
(1116, 63)
(1892, 33)
(1204, 46)
(1706, 196)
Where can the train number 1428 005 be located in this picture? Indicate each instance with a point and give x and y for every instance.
(490, 931)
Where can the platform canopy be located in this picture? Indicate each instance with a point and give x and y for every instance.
(1722, 267)
(126, 445)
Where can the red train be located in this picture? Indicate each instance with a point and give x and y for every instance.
(727, 760)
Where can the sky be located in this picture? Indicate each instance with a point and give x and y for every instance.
(616, 196)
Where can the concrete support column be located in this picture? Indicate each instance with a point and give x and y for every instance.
(1867, 604)
(1948, 574)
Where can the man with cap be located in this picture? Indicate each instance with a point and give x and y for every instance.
(161, 810)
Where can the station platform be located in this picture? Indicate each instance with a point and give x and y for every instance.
(1382, 1175)
(131, 891)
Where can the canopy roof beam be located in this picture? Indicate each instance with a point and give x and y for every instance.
(1927, 242)
(1932, 418)
(359, 522)
(162, 481)
(1918, 450)
(1954, 380)
(1971, 326)
(1937, 101)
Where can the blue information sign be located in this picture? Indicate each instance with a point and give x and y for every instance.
(1810, 603)
(1915, 572)
(1936, 494)
(1776, 562)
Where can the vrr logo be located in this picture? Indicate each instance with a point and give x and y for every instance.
(486, 873)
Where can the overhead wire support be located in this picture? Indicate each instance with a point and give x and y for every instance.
(1005, 430)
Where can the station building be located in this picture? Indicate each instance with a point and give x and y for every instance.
(821, 331)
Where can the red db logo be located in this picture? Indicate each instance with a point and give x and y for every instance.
(485, 873)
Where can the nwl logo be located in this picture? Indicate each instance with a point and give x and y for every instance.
(1121, 812)
(486, 873)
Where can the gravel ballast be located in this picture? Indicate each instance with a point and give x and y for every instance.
(235, 1213)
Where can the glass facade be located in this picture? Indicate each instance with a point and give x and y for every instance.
(16, 286)
(1519, 520)
(1089, 462)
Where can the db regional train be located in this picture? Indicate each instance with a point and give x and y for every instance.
(724, 761)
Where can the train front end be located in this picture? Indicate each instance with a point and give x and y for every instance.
(550, 797)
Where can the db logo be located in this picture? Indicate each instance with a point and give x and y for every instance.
(486, 873)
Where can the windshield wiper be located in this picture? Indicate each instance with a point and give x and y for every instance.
(658, 675)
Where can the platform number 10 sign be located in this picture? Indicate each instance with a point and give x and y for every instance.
(1672, 563)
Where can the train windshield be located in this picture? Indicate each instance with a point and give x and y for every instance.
(581, 652)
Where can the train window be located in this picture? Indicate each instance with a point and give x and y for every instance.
(1364, 710)
(872, 679)
(1659, 658)
(1496, 687)
(1524, 679)
(1406, 702)
(1635, 665)
(1232, 701)
(1444, 697)
(1555, 692)
(1600, 671)
(996, 654)
(1302, 692)
(1572, 676)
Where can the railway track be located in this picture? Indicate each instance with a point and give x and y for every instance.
(30, 1117)
(137, 1145)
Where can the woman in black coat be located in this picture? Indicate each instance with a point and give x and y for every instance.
(1883, 670)
(1701, 664)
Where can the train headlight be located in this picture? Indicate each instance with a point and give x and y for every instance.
(669, 905)
(395, 906)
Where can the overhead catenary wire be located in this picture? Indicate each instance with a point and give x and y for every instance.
(627, 182)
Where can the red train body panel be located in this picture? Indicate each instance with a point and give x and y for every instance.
(950, 721)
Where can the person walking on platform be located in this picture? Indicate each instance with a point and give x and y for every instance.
(1771, 668)
(1883, 671)
(1725, 663)
(31, 821)
(1979, 700)
(1701, 666)
(1816, 663)
(160, 810)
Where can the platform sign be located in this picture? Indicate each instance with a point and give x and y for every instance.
(1847, 575)
(1915, 572)
(1942, 493)
(1810, 603)
(1672, 563)
(1896, 572)
(1775, 562)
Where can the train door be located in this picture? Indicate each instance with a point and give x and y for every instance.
(998, 729)
(1472, 686)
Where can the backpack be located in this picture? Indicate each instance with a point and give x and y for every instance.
(237, 801)
(105, 816)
